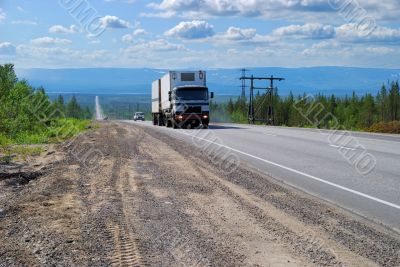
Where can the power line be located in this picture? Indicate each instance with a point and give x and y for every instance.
(253, 114)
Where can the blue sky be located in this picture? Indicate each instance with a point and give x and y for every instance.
(202, 33)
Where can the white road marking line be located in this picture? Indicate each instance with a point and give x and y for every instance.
(343, 147)
(301, 173)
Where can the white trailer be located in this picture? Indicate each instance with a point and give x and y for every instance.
(181, 98)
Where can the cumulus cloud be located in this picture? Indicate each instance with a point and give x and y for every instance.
(238, 34)
(114, 22)
(239, 7)
(380, 50)
(196, 29)
(251, 37)
(322, 48)
(61, 29)
(129, 38)
(50, 41)
(302, 10)
(350, 32)
(306, 31)
(314, 31)
(7, 48)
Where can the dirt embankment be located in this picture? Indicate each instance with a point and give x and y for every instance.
(124, 196)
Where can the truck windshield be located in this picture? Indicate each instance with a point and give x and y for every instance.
(192, 94)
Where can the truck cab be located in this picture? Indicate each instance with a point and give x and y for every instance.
(190, 106)
(181, 99)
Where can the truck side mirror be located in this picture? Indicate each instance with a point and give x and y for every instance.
(169, 96)
(212, 95)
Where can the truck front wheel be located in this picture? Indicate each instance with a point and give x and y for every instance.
(168, 123)
(174, 124)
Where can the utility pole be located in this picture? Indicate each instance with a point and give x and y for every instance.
(243, 84)
(253, 116)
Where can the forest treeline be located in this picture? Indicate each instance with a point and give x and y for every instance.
(380, 112)
(27, 115)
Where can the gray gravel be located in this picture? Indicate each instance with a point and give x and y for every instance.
(154, 201)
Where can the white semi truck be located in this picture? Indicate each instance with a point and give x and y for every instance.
(181, 99)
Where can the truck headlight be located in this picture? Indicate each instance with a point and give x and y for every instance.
(205, 116)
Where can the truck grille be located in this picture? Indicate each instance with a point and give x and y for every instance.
(193, 110)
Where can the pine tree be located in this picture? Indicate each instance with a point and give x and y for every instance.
(394, 101)
(382, 102)
(73, 109)
(368, 111)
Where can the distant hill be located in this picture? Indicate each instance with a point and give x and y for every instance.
(328, 80)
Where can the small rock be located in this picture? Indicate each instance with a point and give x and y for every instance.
(51, 152)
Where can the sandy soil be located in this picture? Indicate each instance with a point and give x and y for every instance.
(124, 195)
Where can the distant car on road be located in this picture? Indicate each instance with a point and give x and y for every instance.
(139, 116)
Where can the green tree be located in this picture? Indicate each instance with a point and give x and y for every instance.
(394, 101)
(73, 109)
(382, 102)
(368, 111)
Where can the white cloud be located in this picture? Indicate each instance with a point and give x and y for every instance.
(129, 38)
(121, 1)
(380, 50)
(298, 10)
(251, 37)
(114, 22)
(323, 48)
(2, 15)
(164, 15)
(333, 48)
(50, 41)
(238, 34)
(350, 32)
(60, 56)
(159, 45)
(61, 29)
(239, 7)
(7, 49)
(306, 31)
(21, 9)
(24, 22)
(195, 29)
(347, 33)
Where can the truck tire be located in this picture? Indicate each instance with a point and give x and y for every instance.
(155, 120)
(159, 120)
(168, 123)
(174, 124)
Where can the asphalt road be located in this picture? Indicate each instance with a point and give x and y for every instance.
(325, 164)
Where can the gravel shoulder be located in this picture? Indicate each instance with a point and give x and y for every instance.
(128, 195)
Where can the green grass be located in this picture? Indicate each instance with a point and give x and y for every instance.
(58, 131)
(28, 144)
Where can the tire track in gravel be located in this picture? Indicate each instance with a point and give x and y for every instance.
(110, 201)
(128, 250)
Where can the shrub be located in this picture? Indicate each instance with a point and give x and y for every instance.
(385, 127)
